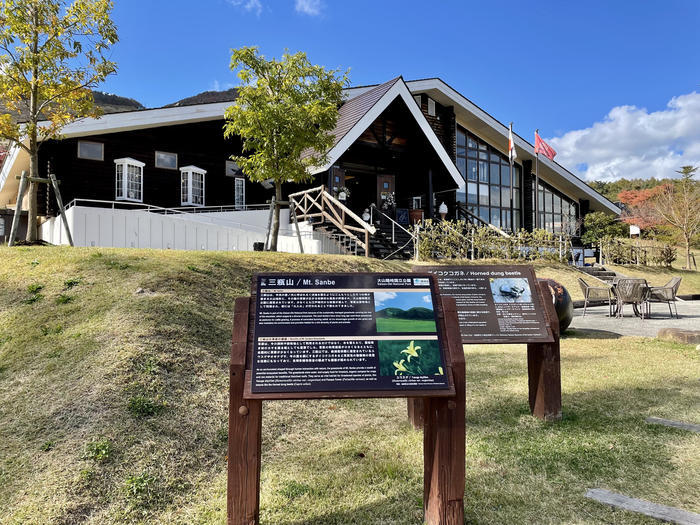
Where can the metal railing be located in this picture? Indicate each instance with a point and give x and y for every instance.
(319, 206)
(463, 213)
(413, 237)
(227, 208)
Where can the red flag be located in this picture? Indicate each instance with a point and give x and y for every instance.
(542, 147)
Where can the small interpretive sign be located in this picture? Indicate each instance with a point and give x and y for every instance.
(495, 304)
(346, 332)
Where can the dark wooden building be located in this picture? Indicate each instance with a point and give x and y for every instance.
(419, 143)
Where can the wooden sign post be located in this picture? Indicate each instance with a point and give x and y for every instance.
(543, 366)
(443, 408)
(506, 304)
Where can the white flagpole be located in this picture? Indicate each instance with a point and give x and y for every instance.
(537, 184)
(510, 161)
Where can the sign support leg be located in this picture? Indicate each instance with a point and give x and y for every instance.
(244, 434)
(415, 407)
(444, 437)
(544, 368)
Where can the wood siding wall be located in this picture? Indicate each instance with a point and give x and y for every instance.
(444, 125)
(199, 144)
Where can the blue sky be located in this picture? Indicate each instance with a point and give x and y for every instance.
(562, 67)
(403, 300)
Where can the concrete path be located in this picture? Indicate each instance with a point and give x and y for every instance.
(690, 427)
(654, 510)
(597, 320)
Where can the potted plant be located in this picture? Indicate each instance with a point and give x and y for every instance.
(388, 201)
(343, 193)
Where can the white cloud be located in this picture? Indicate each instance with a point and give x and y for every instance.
(380, 297)
(253, 6)
(630, 142)
(428, 299)
(308, 7)
(218, 86)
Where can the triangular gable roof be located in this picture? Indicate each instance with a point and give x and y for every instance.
(354, 109)
(358, 113)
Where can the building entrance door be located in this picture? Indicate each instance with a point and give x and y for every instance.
(337, 179)
(386, 184)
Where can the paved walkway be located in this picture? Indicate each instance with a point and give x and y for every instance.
(597, 320)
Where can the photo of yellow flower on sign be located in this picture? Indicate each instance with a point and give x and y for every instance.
(409, 357)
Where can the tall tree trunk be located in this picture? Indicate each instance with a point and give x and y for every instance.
(687, 251)
(33, 134)
(32, 233)
(276, 217)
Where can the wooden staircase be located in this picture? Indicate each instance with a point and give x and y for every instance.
(599, 272)
(330, 215)
(354, 236)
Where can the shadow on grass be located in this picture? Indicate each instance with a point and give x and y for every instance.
(384, 512)
(589, 333)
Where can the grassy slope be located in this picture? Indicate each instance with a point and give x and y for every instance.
(404, 325)
(69, 371)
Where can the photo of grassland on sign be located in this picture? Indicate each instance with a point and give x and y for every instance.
(404, 312)
(406, 357)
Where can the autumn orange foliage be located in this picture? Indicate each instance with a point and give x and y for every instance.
(639, 207)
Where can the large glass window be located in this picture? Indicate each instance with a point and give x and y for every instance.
(479, 162)
(557, 213)
(471, 170)
(472, 193)
(129, 180)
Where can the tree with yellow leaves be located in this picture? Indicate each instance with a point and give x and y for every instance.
(52, 53)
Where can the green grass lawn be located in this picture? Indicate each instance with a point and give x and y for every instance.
(388, 324)
(113, 409)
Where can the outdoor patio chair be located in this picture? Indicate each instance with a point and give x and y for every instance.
(596, 293)
(665, 294)
(634, 292)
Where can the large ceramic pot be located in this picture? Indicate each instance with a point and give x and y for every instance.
(416, 216)
(563, 304)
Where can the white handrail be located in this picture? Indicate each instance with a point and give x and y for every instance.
(392, 220)
(150, 208)
(322, 189)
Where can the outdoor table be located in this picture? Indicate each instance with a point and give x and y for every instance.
(646, 290)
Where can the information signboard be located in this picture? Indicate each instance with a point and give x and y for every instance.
(347, 332)
(495, 304)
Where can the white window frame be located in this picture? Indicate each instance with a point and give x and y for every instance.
(155, 161)
(417, 202)
(239, 181)
(100, 144)
(186, 175)
(431, 107)
(418, 99)
(125, 163)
